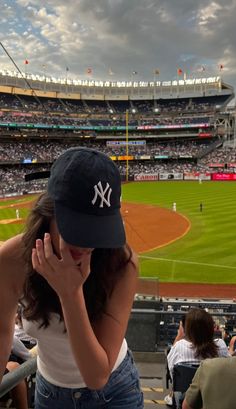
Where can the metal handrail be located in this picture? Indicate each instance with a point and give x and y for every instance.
(11, 379)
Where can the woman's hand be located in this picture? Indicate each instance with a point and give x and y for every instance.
(181, 333)
(65, 275)
(231, 345)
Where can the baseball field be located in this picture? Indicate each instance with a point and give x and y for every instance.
(203, 252)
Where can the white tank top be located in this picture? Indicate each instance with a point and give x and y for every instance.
(55, 358)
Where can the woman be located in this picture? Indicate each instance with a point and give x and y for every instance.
(76, 277)
(195, 342)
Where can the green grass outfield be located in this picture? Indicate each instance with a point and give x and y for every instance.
(207, 254)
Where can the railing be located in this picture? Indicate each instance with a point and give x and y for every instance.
(11, 379)
(149, 330)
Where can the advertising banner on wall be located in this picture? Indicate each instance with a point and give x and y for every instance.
(124, 157)
(224, 176)
(197, 176)
(146, 176)
(171, 176)
(143, 157)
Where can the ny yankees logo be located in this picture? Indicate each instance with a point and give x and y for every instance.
(99, 191)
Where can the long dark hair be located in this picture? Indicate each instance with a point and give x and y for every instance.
(199, 330)
(39, 299)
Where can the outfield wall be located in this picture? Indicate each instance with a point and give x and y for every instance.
(185, 176)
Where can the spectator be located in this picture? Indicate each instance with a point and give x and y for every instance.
(196, 342)
(213, 385)
(72, 267)
(20, 333)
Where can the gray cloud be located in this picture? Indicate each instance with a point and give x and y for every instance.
(124, 36)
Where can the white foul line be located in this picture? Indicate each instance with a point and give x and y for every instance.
(187, 262)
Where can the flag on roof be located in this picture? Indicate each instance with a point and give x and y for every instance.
(89, 70)
(200, 68)
(221, 67)
(156, 72)
(26, 62)
(179, 71)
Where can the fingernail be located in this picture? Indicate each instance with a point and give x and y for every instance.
(46, 235)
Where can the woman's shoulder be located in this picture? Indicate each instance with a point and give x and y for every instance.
(183, 343)
(219, 341)
(11, 257)
(12, 246)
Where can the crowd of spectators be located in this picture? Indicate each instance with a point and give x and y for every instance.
(172, 156)
(222, 155)
(25, 118)
(47, 151)
(34, 103)
(20, 158)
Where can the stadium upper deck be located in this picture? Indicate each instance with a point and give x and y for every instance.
(50, 87)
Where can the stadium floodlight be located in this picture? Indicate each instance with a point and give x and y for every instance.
(133, 110)
(111, 111)
(156, 109)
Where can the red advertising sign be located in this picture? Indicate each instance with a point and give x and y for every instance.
(205, 134)
(224, 176)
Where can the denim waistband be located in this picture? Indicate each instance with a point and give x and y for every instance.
(115, 377)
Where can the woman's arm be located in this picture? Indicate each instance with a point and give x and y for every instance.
(173, 358)
(231, 345)
(11, 282)
(95, 347)
(180, 334)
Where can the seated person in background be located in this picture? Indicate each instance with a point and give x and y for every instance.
(19, 331)
(19, 353)
(195, 342)
(213, 385)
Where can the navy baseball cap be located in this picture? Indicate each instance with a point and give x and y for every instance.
(86, 188)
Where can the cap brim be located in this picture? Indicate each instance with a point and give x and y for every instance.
(90, 231)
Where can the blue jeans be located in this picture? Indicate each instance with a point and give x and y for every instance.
(121, 391)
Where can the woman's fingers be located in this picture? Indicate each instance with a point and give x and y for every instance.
(49, 255)
(35, 260)
(85, 265)
(40, 251)
(65, 251)
(43, 259)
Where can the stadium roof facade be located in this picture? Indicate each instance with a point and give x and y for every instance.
(50, 87)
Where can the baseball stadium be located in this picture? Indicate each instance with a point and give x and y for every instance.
(174, 144)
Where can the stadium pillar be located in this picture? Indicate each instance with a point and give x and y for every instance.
(127, 143)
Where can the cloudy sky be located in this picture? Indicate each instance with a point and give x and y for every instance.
(117, 37)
